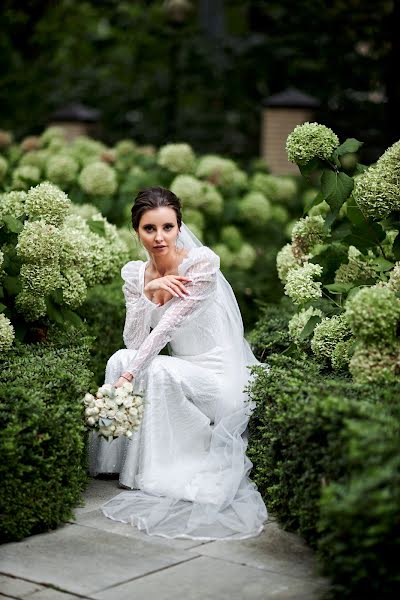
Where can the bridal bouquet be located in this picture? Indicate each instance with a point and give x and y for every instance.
(114, 412)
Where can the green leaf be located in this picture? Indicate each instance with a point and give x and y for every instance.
(360, 169)
(314, 202)
(97, 227)
(71, 317)
(336, 188)
(313, 165)
(2, 307)
(12, 284)
(381, 264)
(396, 247)
(349, 145)
(13, 224)
(309, 327)
(354, 213)
(339, 288)
(354, 291)
(53, 312)
(57, 296)
(1, 292)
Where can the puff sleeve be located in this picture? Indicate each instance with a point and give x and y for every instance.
(202, 268)
(138, 306)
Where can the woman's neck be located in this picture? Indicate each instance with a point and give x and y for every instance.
(168, 263)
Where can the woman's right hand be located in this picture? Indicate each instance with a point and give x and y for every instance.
(174, 284)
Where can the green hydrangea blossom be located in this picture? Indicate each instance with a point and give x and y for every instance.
(277, 189)
(62, 169)
(376, 363)
(375, 193)
(245, 258)
(255, 208)
(12, 203)
(178, 158)
(300, 286)
(217, 170)
(32, 307)
(189, 190)
(341, 355)
(48, 202)
(7, 334)
(35, 158)
(311, 140)
(24, 177)
(279, 214)
(194, 217)
(227, 257)
(3, 167)
(52, 133)
(355, 269)
(98, 179)
(125, 148)
(286, 260)
(86, 211)
(394, 278)
(38, 242)
(389, 162)
(306, 233)
(42, 278)
(327, 334)
(373, 313)
(300, 320)
(74, 288)
(231, 236)
(212, 202)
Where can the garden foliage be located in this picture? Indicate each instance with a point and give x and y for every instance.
(43, 439)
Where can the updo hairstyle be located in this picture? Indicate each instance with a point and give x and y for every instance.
(155, 197)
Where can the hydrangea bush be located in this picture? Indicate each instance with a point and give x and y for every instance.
(50, 257)
(342, 267)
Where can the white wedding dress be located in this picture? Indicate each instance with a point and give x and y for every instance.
(186, 468)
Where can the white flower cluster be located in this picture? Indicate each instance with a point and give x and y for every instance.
(310, 140)
(114, 412)
(6, 333)
(300, 286)
(46, 201)
(98, 179)
(178, 158)
(12, 203)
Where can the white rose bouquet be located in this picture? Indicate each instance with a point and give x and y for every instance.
(114, 412)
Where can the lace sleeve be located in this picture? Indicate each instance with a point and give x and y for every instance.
(138, 307)
(203, 273)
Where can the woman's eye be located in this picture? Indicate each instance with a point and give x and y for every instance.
(168, 227)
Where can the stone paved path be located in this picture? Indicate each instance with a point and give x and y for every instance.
(95, 558)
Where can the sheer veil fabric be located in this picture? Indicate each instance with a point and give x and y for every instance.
(218, 501)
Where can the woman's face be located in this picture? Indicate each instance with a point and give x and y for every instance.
(158, 230)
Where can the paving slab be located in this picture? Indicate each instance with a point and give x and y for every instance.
(274, 550)
(84, 560)
(206, 578)
(96, 493)
(98, 520)
(52, 594)
(17, 588)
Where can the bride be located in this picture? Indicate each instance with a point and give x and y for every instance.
(185, 470)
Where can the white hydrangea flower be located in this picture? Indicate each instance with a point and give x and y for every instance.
(178, 158)
(41, 278)
(47, 202)
(300, 286)
(310, 140)
(98, 179)
(32, 307)
(7, 333)
(62, 169)
(38, 242)
(188, 189)
(12, 203)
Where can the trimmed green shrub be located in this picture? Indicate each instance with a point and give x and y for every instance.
(42, 439)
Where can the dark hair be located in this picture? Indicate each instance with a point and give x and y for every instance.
(154, 197)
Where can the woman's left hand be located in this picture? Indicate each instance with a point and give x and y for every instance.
(121, 381)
